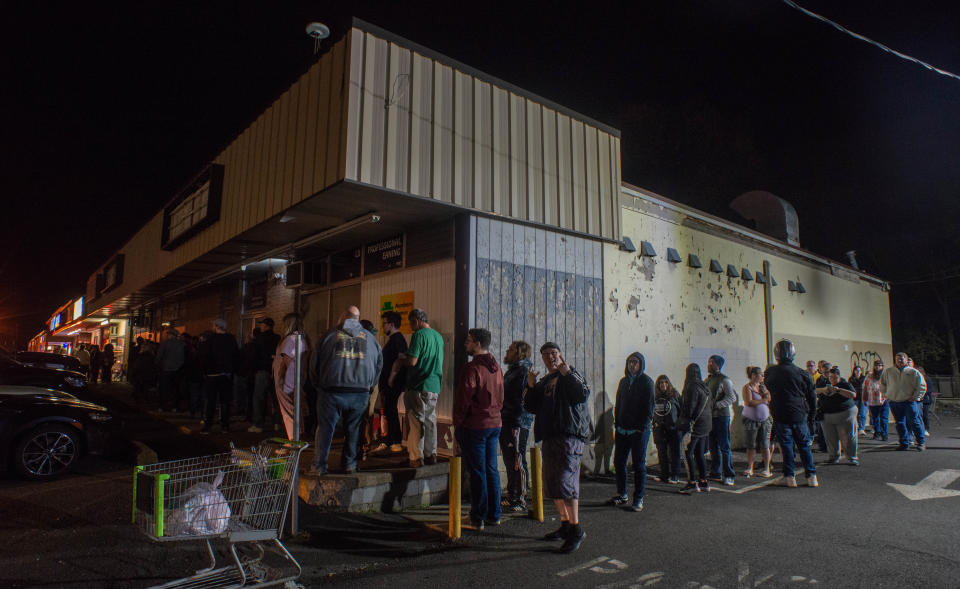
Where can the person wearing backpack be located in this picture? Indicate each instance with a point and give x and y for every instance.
(665, 414)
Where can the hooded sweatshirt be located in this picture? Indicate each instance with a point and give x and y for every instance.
(479, 396)
(348, 360)
(900, 385)
(635, 399)
(514, 383)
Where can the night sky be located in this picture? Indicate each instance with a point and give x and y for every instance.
(109, 110)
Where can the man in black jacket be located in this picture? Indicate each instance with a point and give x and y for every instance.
(559, 402)
(392, 379)
(793, 404)
(218, 357)
(265, 342)
(515, 432)
(632, 414)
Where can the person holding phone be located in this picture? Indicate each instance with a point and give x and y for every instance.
(559, 402)
(840, 418)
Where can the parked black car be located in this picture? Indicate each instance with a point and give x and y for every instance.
(44, 432)
(13, 372)
(48, 360)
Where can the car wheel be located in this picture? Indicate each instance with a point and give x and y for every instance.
(47, 451)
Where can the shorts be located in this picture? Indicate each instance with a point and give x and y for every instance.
(757, 433)
(561, 467)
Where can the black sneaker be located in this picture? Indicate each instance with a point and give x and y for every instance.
(517, 507)
(573, 542)
(690, 487)
(558, 534)
(704, 486)
(430, 460)
(477, 524)
(901, 448)
(492, 522)
(617, 500)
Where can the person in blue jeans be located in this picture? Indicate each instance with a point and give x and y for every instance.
(793, 405)
(344, 369)
(477, 405)
(724, 396)
(856, 381)
(904, 387)
(632, 416)
(876, 402)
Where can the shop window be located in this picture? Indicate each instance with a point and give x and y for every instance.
(194, 209)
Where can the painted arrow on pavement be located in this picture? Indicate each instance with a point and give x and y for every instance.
(931, 487)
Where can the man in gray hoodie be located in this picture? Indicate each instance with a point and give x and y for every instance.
(724, 396)
(344, 369)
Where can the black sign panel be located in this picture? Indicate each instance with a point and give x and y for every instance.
(255, 294)
(383, 255)
(345, 265)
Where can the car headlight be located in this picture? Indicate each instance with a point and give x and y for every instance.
(74, 381)
(99, 416)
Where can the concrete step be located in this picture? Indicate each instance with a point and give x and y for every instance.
(385, 490)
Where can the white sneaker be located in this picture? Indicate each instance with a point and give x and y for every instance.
(255, 430)
(812, 481)
(786, 482)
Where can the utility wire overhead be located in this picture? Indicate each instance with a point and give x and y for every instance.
(871, 41)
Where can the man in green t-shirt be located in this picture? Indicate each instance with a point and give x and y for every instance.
(424, 375)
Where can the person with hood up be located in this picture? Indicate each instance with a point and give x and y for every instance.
(515, 431)
(632, 415)
(344, 369)
(666, 413)
(476, 419)
(723, 396)
(793, 404)
(696, 421)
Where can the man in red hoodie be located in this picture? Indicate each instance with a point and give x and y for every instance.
(476, 419)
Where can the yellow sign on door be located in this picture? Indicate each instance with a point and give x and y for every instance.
(401, 302)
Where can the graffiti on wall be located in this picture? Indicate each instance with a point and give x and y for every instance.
(864, 360)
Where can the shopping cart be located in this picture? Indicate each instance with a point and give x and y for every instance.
(240, 496)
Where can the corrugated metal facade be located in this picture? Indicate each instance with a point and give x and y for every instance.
(537, 285)
(290, 152)
(420, 126)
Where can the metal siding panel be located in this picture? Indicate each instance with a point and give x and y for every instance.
(534, 162)
(518, 158)
(592, 180)
(374, 99)
(463, 142)
(580, 311)
(497, 312)
(398, 120)
(279, 161)
(310, 130)
(322, 128)
(530, 283)
(421, 132)
(570, 298)
(598, 335)
(483, 293)
(565, 172)
(606, 185)
(483, 146)
(300, 134)
(443, 133)
(540, 289)
(337, 121)
(290, 151)
(551, 215)
(617, 213)
(578, 178)
(501, 151)
(270, 158)
(516, 302)
(250, 211)
(354, 113)
(560, 302)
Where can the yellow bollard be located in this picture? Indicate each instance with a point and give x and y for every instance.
(453, 490)
(536, 482)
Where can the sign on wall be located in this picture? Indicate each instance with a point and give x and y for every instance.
(383, 255)
(401, 302)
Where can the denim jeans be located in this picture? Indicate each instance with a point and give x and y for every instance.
(879, 416)
(623, 446)
(861, 416)
(331, 408)
(668, 453)
(787, 434)
(907, 417)
(514, 452)
(479, 450)
(694, 452)
(720, 455)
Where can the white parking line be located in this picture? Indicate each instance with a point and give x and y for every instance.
(584, 565)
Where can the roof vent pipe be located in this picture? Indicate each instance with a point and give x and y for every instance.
(852, 259)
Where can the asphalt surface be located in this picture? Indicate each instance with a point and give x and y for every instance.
(855, 530)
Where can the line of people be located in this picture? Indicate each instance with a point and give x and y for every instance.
(95, 362)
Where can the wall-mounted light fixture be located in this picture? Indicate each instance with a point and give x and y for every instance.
(673, 255)
(626, 245)
(693, 261)
(646, 249)
(732, 271)
(715, 266)
(745, 275)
